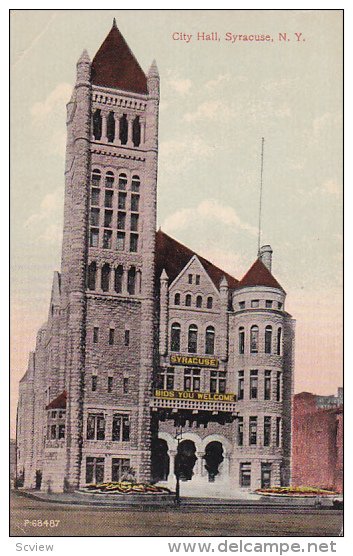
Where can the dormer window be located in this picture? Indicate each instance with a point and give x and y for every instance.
(177, 299)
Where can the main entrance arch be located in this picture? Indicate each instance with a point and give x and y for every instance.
(213, 458)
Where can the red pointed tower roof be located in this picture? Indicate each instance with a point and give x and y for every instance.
(116, 67)
(259, 275)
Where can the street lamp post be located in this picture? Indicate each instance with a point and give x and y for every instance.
(178, 437)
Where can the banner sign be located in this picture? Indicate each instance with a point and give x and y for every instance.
(192, 361)
(198, 396)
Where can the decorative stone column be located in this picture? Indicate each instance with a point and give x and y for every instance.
(200, 470)
(104, 115)
(171, 476)
(142, 132)
(130, 120)
(117, 116)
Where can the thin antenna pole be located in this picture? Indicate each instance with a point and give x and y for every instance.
(260, 203)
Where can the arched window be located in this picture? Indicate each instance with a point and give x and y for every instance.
(105, 277)
(268, 339)
(118, 279)
(241, 340)
(136, 132)
(192, 339)
(92, 272)
(96, 177)
(279, 341)
(209, 302)
(123, 129)
(177, 299)
(199, 301)
(175, 337)
(111, 127)
(135, 184)
(188, 300)
(131, 280)
(109, 179)
(209, 340)
(254, 339)
(97, 124)
(122, 182)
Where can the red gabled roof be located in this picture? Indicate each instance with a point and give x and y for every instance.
(116, 67)
(59, 402)
(173, 256)
(259, 275)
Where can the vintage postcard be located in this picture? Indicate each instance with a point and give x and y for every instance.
(176, 275)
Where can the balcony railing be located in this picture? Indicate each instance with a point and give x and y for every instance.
(194, 401)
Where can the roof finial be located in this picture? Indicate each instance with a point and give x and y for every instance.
(114, 23)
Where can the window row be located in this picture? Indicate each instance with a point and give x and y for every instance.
(124, 200)
(257, 303)
(111, 336)
(109, 384)
(97, 180)
(272, 342)
(119, 432)
(272, 385)
(120, 470)
(107, 220)
(56, 424)
(192, 380)
(245, 474)
(192, 338)
(113, 127)
(115, 241)
(116, 279)
(199, 301)
(253, 436)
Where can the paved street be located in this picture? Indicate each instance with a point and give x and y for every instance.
(185, 521)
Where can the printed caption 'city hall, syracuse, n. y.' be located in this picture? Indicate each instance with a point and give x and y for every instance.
(144, 336)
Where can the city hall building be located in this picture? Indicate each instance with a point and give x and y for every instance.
(153, 361)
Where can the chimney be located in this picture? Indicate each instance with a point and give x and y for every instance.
(266, 256)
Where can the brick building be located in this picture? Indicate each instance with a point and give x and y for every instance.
(144, 336)
(317, 458)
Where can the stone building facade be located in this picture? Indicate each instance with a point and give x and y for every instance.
(144, 337)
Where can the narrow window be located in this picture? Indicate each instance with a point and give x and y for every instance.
(240, 431)
(135, 183)
(188, 300)
(94, 383)
(192, 380)
(61, 431)
(190, 278)
(252, 431)
(95, 217)
(131, 280)
(107, 239)
(111, 336)
(267, 385)
(118, 279)
(241, 340)
(95, 334)
(123, 129)
(136, 131)
(199, 301)
(122, 182)
(121, 220)
(134, 222)
(192, 339)
(94, 237)
(120, 241)
(218, 382)
(245, 474)
(95, 196)
(241, 305)
(177, 299)
(267, 431)
(269, 304)
(175, 337)
(109, 179)
(240, 385)
(278, 431)
(108, 199)
(125, 385)
(210, 340)
(254, 339)
(253, 385)
(96, 178)
(53, 432)
(279, 305)
(165, 378)
(110, 384)
(279, 341)
(133, 243)
(197, 279)
(209, 302)
(268, 339)
(127, 338)
(135, 201)
(92, 273)
(105, 277)
(108, 216)
(278, 386)
(111, 127)
(122, 200)
(97, 125)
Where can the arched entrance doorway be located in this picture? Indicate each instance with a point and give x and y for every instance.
(159, 460)
(185, 460)
(213, 458)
